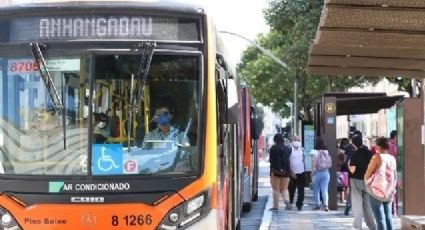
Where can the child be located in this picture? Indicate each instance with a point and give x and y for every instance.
(342, 176)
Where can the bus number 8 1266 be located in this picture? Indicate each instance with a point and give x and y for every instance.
(132, 220)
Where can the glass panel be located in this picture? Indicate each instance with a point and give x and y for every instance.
(31, 130)
(161, 137)
(399, 120)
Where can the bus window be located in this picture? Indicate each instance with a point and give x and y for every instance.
(156, 136)
(32, 130)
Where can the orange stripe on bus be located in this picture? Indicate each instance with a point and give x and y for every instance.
(210, 148)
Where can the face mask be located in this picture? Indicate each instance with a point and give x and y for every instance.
(163, 120)
(101, 125)
(296, 144)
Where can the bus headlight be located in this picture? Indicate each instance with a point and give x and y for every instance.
(187, 213)
(195, 204)
(7, 222)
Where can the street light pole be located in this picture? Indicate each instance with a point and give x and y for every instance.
(296, 104)
(265, 51)
(281, 63)
(291, 107)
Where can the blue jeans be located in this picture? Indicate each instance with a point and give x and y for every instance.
(321, 184)
(382, 213)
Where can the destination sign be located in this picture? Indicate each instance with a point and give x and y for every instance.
(21, 66)
(99, 27)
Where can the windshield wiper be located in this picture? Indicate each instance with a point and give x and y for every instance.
(146, 54)
(185, 141)
(50, 86)
(138, 89)
(45, 75)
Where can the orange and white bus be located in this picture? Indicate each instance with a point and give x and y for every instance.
(249, 139)
(83, 86)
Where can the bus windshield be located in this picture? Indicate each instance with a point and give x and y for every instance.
(106, 134)
(31, 129)
(158, 135)
(73, 100)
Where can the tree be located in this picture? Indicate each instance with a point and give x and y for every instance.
(293, 25)
(405, 84)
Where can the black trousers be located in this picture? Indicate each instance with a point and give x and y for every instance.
(298, 184)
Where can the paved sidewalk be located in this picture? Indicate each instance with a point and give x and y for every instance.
(307, 219)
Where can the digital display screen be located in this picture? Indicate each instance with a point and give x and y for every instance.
(98, 27)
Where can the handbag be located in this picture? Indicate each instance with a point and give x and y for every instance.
(277, 173)
(342, 179)
(382, 184)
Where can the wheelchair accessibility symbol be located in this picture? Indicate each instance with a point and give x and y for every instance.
(106, 163)
(107, 159)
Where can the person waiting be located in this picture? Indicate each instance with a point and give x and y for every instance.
(297, 181)
(321, 162)
(280, 171)
(360, 198)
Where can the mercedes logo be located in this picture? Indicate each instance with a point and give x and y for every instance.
(88, 219)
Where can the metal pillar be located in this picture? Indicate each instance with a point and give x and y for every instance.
(329, 135)
(296, 104)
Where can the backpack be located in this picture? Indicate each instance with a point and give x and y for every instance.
(382, 184)
(342, 179)
(324, 160)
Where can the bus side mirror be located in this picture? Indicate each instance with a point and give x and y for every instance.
(221, 61)
(255, 130)
(232, 102)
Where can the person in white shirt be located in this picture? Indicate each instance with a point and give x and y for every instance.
(297, 181)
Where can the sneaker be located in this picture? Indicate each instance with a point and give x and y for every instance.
(326, 209)
(316, 208)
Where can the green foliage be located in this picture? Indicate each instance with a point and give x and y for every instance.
(293, 25)
(405, 84)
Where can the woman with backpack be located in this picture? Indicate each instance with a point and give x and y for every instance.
(381, 180)
(321, 162)
(280, 171)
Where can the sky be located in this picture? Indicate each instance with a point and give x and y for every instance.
(244, 17)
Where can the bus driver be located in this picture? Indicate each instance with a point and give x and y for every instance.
(165, 131)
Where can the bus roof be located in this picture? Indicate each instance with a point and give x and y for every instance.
(160, 5)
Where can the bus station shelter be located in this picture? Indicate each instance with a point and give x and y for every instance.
(377, 38)
(337, 104)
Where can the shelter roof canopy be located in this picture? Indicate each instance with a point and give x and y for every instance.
(362, 103)
(379, 38)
